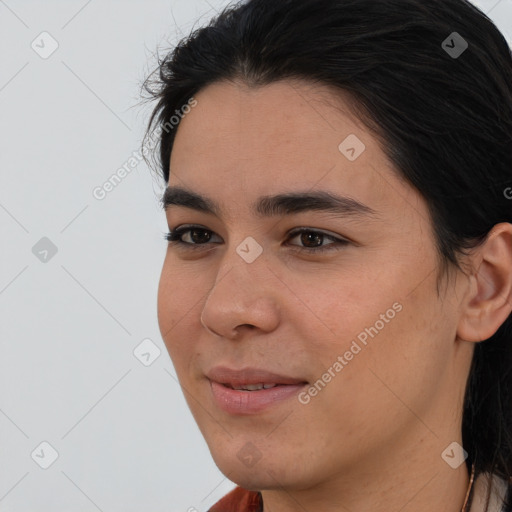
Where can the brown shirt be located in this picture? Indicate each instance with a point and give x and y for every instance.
(239, 500)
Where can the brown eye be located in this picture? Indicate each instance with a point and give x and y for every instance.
(199, 237)
(311, 239)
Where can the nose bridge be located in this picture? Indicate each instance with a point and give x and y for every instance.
(242, 293)
(244, 258)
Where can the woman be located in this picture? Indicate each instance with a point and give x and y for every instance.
(336, 295)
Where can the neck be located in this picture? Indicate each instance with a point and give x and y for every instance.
(411, 479)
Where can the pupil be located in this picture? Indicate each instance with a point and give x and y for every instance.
(193, 231)
(305, 237)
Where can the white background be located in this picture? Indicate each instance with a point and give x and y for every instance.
(124, 435)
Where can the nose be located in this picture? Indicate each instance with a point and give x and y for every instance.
(242, 299)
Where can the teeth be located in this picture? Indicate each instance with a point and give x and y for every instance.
(254, 387)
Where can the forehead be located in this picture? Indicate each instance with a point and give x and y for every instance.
(240, 143)
(282, 120)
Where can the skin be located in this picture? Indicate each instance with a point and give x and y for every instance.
(372, 438)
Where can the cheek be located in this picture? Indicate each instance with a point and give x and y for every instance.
(179, 289)
(379, 328)
(401, 361)
(334, 307)
(177, 309)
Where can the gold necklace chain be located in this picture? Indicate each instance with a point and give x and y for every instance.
(469, 488)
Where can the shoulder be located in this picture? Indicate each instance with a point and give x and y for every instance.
(499, 488)
(239, 500)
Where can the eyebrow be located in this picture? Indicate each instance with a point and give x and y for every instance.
(268, 206)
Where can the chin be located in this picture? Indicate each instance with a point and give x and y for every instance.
(263, 474)
(254, 480)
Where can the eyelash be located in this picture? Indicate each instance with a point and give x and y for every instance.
(174, 237)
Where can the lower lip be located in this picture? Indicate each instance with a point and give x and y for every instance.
(235, 401)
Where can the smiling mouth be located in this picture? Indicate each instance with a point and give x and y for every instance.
(247, 378)
(253, 387)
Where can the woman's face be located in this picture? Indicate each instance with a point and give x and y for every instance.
(359, 328)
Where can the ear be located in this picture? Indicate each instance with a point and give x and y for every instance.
(488, 302)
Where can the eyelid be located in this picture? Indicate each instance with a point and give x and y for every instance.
(293, 231)
(324, 232)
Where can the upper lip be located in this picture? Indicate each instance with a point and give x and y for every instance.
(243, 376)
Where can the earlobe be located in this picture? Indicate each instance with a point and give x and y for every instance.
(488, 302)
